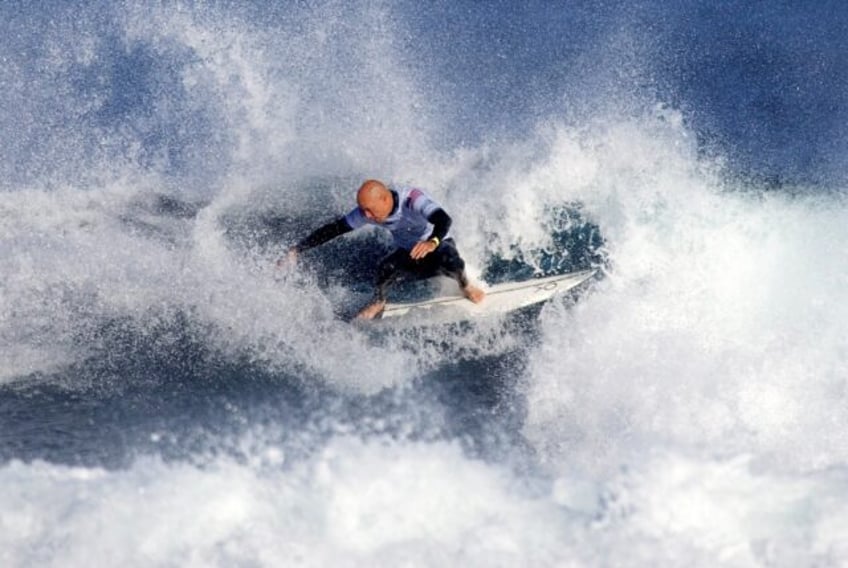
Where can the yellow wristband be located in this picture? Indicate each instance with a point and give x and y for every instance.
(436, 241)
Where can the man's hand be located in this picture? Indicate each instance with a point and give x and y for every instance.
(289, 260)
(422, 249)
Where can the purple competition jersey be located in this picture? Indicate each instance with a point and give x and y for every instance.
(408, 223)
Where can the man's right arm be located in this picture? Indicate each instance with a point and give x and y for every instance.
(323, 234)
(317, 237)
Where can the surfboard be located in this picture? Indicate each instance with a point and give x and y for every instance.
(500, 298)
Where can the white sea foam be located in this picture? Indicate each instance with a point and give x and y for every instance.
(79, 256)
(719, 324)
(380, 504)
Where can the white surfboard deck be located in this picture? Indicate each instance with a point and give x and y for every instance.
(500, 298)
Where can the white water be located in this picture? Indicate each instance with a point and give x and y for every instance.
(382, 504)
(689, 410)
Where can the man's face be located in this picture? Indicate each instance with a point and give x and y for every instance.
(377, 207)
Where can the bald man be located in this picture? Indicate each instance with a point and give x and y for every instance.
(421, 232)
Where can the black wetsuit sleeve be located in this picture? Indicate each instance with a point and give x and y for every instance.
(441, 223)
(323, 234)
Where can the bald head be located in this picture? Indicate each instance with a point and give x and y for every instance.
(375, 200)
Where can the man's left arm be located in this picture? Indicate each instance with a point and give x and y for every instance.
(441, 222)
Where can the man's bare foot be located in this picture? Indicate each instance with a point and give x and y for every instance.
(371, 310)
(474, 293)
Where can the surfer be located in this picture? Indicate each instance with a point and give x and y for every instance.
(421, 232)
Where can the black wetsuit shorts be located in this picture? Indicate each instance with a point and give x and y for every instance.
(445, 261)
